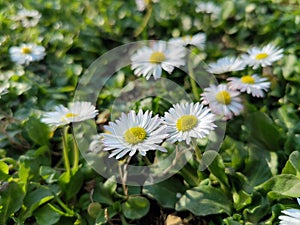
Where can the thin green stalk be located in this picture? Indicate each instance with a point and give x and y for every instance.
(198, 153)
(64, 206)
(75, 154)
(59, 211)
(140, 29)
(65, 148)
(192, 78)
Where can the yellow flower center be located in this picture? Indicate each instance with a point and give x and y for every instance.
(260, 56)
(26, 50)
(187, 38)
(157, 57)
(248, 79)
(223, 97)
(70, 115)
(135, 135)
(186, 122)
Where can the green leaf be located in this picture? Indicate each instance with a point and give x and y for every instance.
(46, 216)
(101, 219)
(38, 132)
(261, 161)
(4, 171)
(235, 152)
(257, 210)
(292, 166)
(228, 9)
(38, 197)
(11, 200)
(108, 213)
(71, 184)
(262, 131)
(24, 169)
(165, 192)
(232, 221)
(281, 186)
(217, 167)
(288, 70)
(241, 199)
(104, 191)
(287, 116)
(30, 163)
(135, 207)
(48, 174)
(93, 209)
(204, 200)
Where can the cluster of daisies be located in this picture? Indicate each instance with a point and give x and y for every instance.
(201, 7)
(140, 132)
(223, 99)
(26, 53)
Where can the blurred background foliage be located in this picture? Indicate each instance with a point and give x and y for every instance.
(256, 173)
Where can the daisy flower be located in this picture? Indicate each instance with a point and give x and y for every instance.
(28, 18)
(222, 100)
(142, 4)
(185, 121)
(208, 7)
(27, 53)
(291, 217)
(161, 56)
(264, 56)
(78, 111)
(226, 64)
(197, 40)
(134, 133)
(252, 84)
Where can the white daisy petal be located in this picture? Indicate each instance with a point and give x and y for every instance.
(291, 217)
(143, 133)
(292, 212)
(226, 64)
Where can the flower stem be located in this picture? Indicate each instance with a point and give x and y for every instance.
(197, 151)
(75, 154)
(124, 174)
(69, 211)
(140, 29)
(192, 78)
(65, 148)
